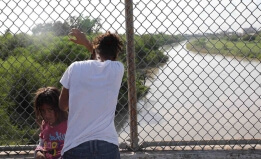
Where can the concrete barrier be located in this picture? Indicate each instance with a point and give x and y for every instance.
(185, 154)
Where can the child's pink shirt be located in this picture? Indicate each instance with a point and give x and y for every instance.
(53, 139)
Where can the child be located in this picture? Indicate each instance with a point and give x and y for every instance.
(52, 121)
(90, 91)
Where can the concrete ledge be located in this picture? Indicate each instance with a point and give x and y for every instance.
(195, 154)
(185, 154)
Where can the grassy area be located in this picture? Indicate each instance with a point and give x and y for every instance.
(227, 48)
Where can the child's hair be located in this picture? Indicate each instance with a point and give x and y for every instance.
(109, 45)
(50, 96)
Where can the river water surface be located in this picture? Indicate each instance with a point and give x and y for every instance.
(200, 97)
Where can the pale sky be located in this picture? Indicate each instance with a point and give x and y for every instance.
(150, 16)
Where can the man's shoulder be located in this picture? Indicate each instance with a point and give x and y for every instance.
(119, 65)
(80, 63)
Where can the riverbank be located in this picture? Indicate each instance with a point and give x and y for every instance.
(242, 49)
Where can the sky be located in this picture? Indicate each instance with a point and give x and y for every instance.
(150, 16)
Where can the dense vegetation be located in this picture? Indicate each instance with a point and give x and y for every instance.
(29, 62)
(246, 46)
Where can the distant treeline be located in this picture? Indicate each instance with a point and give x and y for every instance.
(246, 46)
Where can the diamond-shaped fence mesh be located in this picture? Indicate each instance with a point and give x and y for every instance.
(197, 69)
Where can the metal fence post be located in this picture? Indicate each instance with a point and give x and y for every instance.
(131, 74)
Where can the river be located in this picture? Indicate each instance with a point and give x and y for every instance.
(200, 97)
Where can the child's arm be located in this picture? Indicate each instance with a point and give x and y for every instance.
(38, 153)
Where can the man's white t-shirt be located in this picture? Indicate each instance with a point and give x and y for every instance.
(93, 94)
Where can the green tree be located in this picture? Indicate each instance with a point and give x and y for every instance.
(233, 37)
(201, 42)
(21, 76)
(60, 29)
(9, 42)
(141, 90)
(249, 37)
(59, 50)
(258, 37)
(85, 24)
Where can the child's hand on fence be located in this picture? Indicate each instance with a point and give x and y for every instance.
(40, 155)
(80, 38)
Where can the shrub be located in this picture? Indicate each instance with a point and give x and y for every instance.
(249, 37)
(21, 76)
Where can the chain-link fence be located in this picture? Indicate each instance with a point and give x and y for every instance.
(197, 72)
